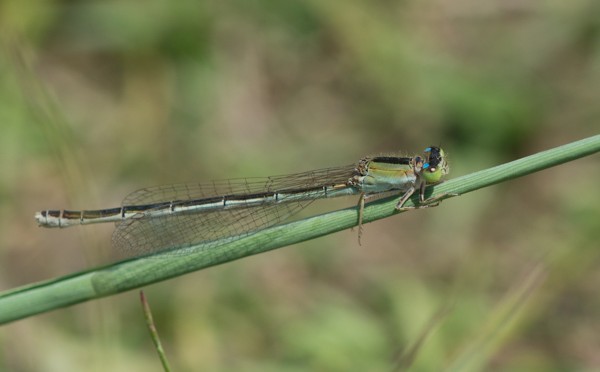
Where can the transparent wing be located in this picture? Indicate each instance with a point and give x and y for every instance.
(143, 236)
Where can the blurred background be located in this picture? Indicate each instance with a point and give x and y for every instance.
(100, 98)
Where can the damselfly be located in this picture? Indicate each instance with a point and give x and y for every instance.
(161, 218)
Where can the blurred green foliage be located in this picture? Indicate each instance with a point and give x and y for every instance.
(98, 98)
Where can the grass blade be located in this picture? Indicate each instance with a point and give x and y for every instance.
(134, 273)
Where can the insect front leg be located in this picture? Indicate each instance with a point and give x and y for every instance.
(434, 201)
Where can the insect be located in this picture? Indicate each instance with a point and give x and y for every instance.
(161, 218)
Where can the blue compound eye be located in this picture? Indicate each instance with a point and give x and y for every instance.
(426, 165)
(428, 149)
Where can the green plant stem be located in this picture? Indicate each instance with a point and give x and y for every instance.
(154, 332)
(134, 273)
